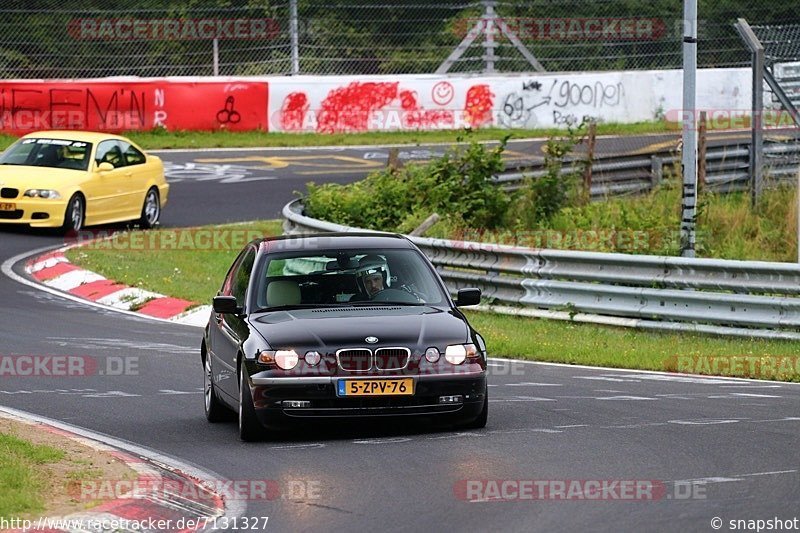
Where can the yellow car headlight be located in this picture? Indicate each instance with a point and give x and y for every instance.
(48, 194)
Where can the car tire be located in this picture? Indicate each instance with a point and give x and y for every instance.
(480, 421)
(75, 215)
(250, 429)
(215, 410)
(151, 209)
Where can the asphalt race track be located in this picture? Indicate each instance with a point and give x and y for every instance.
(717, 447)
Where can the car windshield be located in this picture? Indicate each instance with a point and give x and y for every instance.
(347, 278)
(51, 153)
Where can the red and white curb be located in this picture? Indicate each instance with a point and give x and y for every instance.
(54, 270)
(198, 505)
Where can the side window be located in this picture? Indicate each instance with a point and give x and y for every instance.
(240, 278)
(131, 155)
(109, 152)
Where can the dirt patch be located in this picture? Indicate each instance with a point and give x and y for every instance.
(81, 467)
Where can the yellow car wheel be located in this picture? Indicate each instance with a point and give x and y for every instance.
(75, 214)
(151, 210)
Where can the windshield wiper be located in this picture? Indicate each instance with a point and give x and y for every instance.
(382, 303)
(292, 306)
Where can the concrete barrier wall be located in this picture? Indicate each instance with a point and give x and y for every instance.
(332, 104)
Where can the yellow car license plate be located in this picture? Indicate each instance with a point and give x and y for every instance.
(8, 207)
(376, 387)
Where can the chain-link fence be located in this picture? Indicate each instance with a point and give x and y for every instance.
(48, 39)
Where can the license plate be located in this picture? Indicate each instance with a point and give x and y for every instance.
(8, 207)
(376, 387)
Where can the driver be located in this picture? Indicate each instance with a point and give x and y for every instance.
(372, 275)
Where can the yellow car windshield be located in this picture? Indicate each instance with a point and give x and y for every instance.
(52, 153)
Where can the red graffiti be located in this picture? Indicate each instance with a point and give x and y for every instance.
(478, 107)
(349, 108)
(380, 106)
(293, 111)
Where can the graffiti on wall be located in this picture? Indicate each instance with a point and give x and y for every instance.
(538, 105)
(364, 106)
(125, 106)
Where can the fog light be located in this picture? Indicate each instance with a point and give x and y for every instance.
(295, 404)
(432, 355)
(312, 358)
(451, 399)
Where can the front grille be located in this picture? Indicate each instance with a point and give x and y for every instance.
(391, 358)
(11, 215)
(355, 360)
(9, 193)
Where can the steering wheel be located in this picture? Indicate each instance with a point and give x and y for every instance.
(395, 295)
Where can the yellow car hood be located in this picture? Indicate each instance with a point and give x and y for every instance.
(27, 177)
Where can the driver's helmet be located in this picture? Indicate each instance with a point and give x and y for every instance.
(370, 266)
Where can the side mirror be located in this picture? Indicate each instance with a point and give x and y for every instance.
(469, 296)
(105, 166)
(226, 305)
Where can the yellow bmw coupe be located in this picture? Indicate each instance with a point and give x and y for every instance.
(72, 179)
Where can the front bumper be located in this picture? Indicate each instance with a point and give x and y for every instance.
(269, 393)
(36, 212)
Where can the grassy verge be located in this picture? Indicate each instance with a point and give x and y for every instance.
(161, 139)
(23, 482)
(196, 275)
(186, 263)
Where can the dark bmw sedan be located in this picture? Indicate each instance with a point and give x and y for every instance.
(340, 325)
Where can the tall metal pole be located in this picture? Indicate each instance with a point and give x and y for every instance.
(689, 160)
(294, 37)
(215, 55)
(489, 21)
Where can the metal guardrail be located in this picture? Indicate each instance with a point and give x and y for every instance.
(762, 297)
(727, 169)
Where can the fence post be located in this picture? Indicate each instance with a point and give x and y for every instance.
(587, 173)
(294, 37)
(488, 41)
(215, 55)
(701, 153)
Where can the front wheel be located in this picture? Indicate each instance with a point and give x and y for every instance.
(250, 429)
(215, 411)
(151, 209)
(75, 214)
(480, 421)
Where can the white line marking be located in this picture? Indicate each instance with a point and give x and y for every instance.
(702, 422)
(626, 398)
(530, 384)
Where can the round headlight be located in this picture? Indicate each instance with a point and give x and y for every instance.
(286, 359)
(432, 355)
(455, 354)
(312, 358)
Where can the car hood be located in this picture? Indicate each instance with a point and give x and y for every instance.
(22, 177)
(332, 328)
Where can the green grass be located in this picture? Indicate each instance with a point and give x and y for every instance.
(23, 486)
(618, 347)
(197, 275)
(161, 139)
(187, 264)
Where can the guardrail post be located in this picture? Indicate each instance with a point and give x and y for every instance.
(656, 171)
(587, 173)
(701, 153)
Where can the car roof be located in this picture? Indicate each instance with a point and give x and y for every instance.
(75, 135)
(337, 241)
